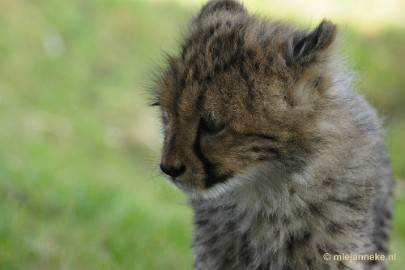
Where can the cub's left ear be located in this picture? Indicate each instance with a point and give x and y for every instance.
(306, 48)
(215, 6)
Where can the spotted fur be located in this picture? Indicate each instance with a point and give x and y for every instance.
(281, 159)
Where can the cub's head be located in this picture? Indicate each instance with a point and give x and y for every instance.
(243, 92)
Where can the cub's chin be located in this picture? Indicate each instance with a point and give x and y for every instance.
(197, 191)
(221, 190)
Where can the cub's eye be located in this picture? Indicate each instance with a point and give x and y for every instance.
(165, 118)
(211, 127)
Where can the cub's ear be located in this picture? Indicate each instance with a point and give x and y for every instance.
(220, 5)
(305, 48)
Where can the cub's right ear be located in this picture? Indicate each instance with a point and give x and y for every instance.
(220, 5)
(306, 48)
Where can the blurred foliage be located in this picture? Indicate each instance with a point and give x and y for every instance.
(79, 188)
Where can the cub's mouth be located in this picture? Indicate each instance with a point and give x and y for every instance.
(198, 185)
(213, 191)
(192, 182)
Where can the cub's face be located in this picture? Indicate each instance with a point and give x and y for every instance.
(233, 100)
(216, 131)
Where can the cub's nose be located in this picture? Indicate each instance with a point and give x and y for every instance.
(172, 171)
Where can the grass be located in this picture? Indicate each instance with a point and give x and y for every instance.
(79, 188)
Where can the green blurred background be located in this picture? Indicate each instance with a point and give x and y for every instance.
(79, 183)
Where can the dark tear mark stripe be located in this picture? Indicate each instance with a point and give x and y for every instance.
(209, 167)
(170, 142)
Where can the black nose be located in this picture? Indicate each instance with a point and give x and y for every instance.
(172, 171)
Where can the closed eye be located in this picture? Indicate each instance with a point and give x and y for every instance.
(210, 126)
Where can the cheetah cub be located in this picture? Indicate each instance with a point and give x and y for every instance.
(282, 161)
